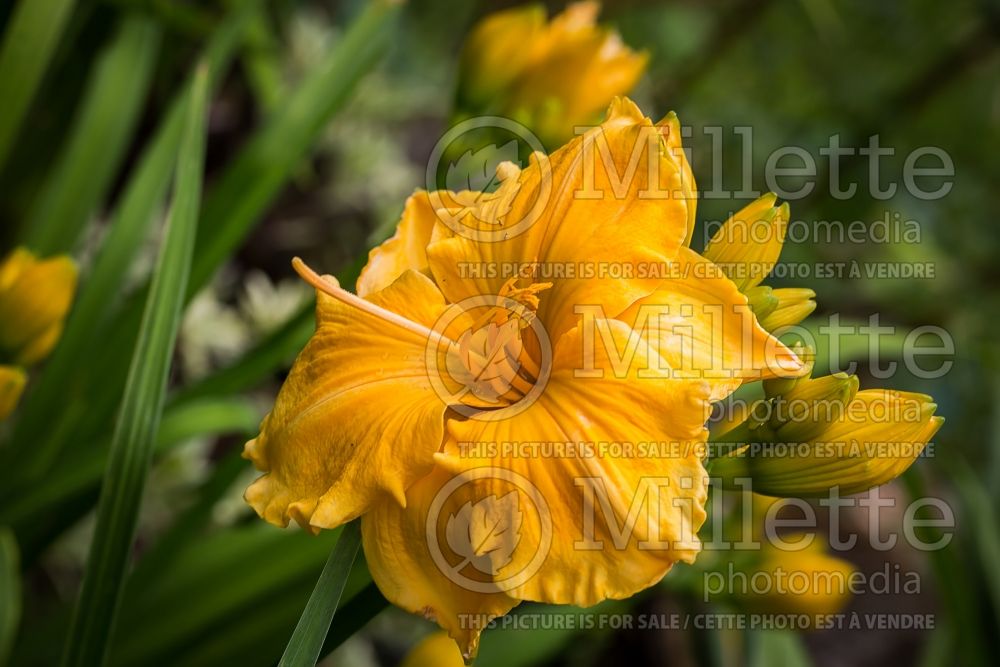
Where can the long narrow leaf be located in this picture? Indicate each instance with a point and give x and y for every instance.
(778, 648)
(98, 139)
(82, 468)
(10, 593)
(307, 640)
(978, 507)
(28, 45)
(245, 189)
(142, 403)
(355, 614)
(258, 173)
(959, 594)
(229, 572)
(94, 304)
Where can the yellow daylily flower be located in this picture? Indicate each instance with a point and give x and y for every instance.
(551, 76)
(35, 296)
(435, 650)
(463, 413)
(851, 439)
(12, 381)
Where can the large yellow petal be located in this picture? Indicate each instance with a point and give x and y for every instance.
(672, 136)
(330, 447)
(702, 326)
(618, 517)
(612, 213)
(407, 249)
(398, 555)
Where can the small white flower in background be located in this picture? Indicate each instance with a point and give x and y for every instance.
(173, 483)
(267, 304)
(212, 334)
(309, 35)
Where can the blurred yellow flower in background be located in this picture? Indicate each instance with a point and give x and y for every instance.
(435, 650)
(806, 581)
(35, 296)
(790, 573)
(12, 381)
(550, 76)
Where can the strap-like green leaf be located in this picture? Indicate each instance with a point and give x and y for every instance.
(355, 614)
(777, 648)
(142, 403)
(10, 592)
(28, 45)
(81, 469)
(244, 190)
(307, 640)
(95, 302)
(101, 132)
(259, 172)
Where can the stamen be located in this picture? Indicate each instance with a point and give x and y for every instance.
(342, 295)
(520, 385)
(523, 296)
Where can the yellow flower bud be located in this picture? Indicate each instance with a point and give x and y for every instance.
(811, 405)
(792, 305)
(877, 437)
(776, 386)
(12, 381)
(35, 296)
(734, 415)
(747, 246)
(434, 650)
(762, 301)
